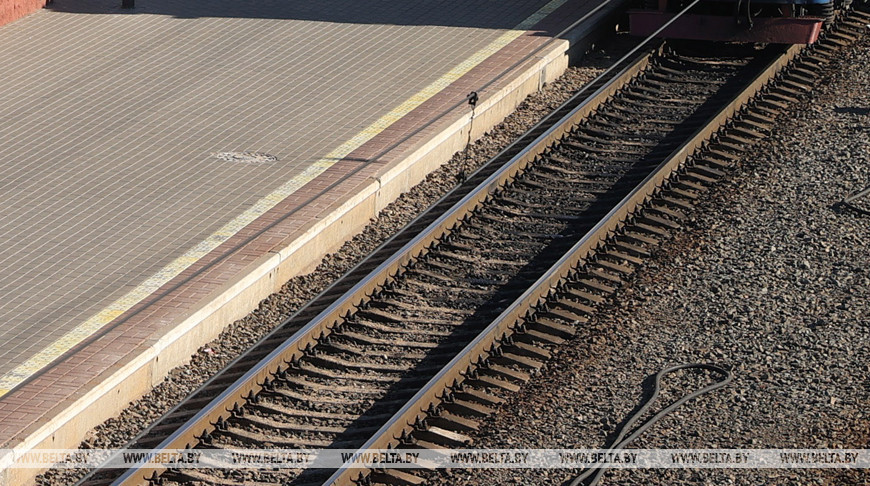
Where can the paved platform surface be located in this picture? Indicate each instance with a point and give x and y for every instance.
(114, 123)
(151, 155)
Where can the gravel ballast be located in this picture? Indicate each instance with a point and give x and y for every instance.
(769, 277)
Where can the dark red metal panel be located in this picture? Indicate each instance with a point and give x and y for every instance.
(782, 30)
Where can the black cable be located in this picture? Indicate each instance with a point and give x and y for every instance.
(847, 202)
(620, 443)
(857, 195)
(749, 12)
(472, 98)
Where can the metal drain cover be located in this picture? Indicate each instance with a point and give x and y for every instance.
(246, 157)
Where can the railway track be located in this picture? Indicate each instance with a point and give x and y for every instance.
(425, 335)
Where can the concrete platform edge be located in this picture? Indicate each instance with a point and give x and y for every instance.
(129, 381)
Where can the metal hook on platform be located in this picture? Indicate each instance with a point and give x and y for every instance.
(473, 98)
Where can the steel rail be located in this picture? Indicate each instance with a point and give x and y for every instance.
(188, 435)
(319, 327)
(416, 409)
(296, 347)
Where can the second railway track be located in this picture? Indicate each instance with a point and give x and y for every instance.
(421, 339)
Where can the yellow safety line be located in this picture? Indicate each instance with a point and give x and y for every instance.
(191, 256)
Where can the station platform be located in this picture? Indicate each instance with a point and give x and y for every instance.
(167, 167)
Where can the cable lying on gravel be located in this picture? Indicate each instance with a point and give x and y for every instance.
(850, 201)
(594, 475)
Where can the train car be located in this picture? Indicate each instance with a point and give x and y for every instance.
(771, 21)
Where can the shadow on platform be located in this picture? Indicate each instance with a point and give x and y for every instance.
(450, 13)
